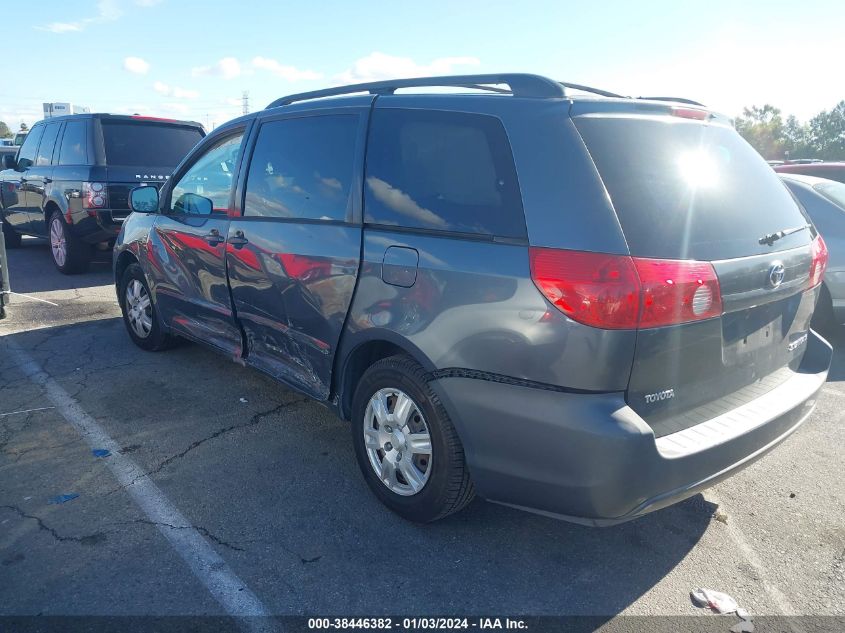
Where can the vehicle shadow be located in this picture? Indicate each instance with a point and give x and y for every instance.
(281, 490)
(31, 269)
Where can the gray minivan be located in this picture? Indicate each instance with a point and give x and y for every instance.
(585, 306)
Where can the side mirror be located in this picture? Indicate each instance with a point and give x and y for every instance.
(144, 199)
(9, 161)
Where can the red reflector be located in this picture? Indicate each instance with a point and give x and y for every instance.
(622, 292)
(818, 249)
(677, 291)
(591, 288)
(690, 113)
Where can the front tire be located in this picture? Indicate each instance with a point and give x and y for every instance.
(405, 443)
(12, 239)
(70, 254)
(139, 312)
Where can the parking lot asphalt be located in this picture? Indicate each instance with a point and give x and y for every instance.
(220, 482)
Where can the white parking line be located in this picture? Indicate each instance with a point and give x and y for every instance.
(209, 568)
(3, 415)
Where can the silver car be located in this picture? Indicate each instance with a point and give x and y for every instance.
(824, 200)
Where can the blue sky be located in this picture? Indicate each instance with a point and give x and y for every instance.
(194, 58)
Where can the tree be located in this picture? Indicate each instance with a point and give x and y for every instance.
(797, 141)
(5, 132)
(763, 128)
(827, 131)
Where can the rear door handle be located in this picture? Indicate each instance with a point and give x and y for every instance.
(213, 237)
(238, 240)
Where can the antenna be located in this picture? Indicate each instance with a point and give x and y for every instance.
(245, 100)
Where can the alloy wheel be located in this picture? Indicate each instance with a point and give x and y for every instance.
(58, 243)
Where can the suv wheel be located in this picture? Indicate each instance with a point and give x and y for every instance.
(406, 445)
(70, 254)
(12, 239)
(139, 313)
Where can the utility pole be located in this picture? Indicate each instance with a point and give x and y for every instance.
(245, 99)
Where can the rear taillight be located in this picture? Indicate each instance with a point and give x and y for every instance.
(690, 113)
(622, 292)
(677, 291)
(94, 196)
(818, 249)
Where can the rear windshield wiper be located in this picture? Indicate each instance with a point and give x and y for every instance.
(771, 238)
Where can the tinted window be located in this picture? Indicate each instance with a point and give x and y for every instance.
(303, 168)
(74, 150)
(442, 170)
(685, 190)
(26, 156)
(48, 142)
(211, 177)
(147, 144)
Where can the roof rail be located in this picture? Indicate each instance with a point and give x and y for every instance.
(595, 91)
(678, 99)
(520, 84)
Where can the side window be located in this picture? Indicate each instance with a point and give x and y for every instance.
(209, 178)
(303, 168)
(48, 143)
(447, 171)
(74, 150)
(26, 157)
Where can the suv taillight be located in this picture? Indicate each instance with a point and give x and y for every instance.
(622, 292)
(94, 196)
(818, 249)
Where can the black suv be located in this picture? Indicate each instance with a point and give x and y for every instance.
(589, 307)
(71, 178)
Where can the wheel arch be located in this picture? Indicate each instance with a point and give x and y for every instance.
(362, 354)
(123, 261)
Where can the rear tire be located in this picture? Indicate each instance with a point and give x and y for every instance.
(12, 239)
(70, 254)
(419, 480)
(139, 312)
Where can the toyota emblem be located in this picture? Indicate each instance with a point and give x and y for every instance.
(776, 274)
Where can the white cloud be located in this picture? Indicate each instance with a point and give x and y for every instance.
(60, 27)
(174, 91)
(377, 66)
(136, 65)
(107, 11)
(228, 68)
(289, 73)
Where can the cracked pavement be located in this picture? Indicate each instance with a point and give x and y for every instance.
(272, 484)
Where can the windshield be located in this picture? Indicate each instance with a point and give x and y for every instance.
(147, 144)
(685, 190)
(833, 191)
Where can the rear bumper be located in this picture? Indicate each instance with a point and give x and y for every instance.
(99, 228)
(589, 458)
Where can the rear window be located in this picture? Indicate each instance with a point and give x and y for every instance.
(446, 171)
(147, 144)
(834, 191)
(685, 190)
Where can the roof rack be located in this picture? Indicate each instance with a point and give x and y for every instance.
(520, 84)
(595, 91)
(678, 99)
